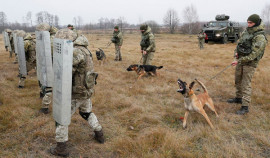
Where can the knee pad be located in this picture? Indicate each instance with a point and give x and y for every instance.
(85, 115)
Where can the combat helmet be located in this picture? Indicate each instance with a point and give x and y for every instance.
(81, 41)
(66, 34)
(43, 27)
(8, 30)
(53, 30)
(21, 33)
(27, 36)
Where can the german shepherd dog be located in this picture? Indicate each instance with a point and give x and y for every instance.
(142, 70)
(101, 57)
(195, 103)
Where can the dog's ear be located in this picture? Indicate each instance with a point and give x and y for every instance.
(191, 85)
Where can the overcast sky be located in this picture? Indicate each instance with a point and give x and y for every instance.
(134, 11)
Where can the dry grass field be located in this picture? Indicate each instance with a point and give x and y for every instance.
(141, 119)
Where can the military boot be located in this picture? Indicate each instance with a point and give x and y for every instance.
(60, 149)
(99, 136)
(235, 100)
(243, 110)
(44, 110)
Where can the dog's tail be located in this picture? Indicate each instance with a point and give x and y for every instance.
(202, 85)
(159, 67)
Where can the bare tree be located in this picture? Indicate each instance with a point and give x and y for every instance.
(154, 26)
(171, 20)
(56, 21)
(45, 17)
(3, 20)
(121, 22)
(266, 16)
(29, 18)
(190, 17)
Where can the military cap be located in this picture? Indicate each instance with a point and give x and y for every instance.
(116, 27)
(69, 25)
(143, 27)
(255, 18)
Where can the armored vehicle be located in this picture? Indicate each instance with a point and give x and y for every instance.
(222, 30)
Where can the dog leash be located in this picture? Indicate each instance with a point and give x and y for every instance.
(218, 73)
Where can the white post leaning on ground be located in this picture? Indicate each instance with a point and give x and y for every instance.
(15, 42)
(21, 56)
(62, 87)
(44, 58)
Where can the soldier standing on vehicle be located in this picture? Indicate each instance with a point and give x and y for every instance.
(117, 39)
(201, 38)
(148, 46)
(249, 51)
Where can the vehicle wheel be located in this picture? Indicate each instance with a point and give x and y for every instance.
(224, 40)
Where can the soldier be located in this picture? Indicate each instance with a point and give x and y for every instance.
(148, 45)
(70, 27)
(117, 39)
(201, 38)
(249, 51)
(6, 47)
(11, 42)
(46, 92)
(30, 56)
(83, 81)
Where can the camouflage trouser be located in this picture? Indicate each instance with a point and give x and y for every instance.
(47, 99)
(10, 54)
(85, 106)
(117, 53)
(243, 77)
(147, 58)
(16, 58)
(201, 44)
(22, 80)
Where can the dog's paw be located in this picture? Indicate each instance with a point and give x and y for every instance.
(185, 127)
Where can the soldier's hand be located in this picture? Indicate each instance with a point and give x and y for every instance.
(144, 52)
(234, 63)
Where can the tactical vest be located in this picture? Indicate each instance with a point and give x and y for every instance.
(89, 76)
(245, 44)
(145, 42)
(115, 39)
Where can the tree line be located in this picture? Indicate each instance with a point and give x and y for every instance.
(172, 23)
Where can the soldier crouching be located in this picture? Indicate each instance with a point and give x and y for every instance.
(83, 81)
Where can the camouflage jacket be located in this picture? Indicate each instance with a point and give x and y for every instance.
(11, 42)
(148, 41)
(30, 51)
(258, 44)
(118, 37)
(201, 36)
(83, 76)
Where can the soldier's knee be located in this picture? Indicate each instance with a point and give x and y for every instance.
(85, 115)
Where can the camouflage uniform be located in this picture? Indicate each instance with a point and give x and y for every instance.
(249, 51)
(11, 50)
(16, 55)
(30, 56)
(247, 63)
(117, 39)
(47, 99)
(83, 81)
(148, 45)
(201, 38)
